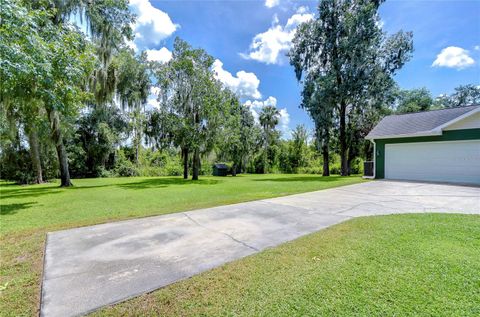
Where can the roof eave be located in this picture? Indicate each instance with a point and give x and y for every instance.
(434, 132)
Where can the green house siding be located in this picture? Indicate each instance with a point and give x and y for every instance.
(453, 135)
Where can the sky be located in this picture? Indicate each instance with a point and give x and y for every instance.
(249, 40)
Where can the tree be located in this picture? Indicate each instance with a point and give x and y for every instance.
(21, 73)
(108, 23)
(298, 156)
(45, 65)
(345, 54)
(464, 95)
(100, 131)
(133, 87)
(269, 118)
(414, 100)
(320, 108)
(48, 63)
(238, 134)
(191, 97)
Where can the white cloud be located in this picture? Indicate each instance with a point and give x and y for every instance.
(271, 46)
(152, 98)
(272, 3)
(244, 84)
(162, 55)
(476, 47)
(152, 25)
(453, 57)
(284, 120)
(132, 45)
(302, 9)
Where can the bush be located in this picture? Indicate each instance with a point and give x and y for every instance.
(16, 165)
(357, 166)
(104, 173)
(124, 167)
(335, 168)
(310, 170)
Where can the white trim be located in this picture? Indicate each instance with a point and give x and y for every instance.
(407, 135)
(374, 158)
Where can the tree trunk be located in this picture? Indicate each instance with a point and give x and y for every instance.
(185, 163)
(265, 155)
(234, 170)
(136, 141)
(196, 164)
(136, 151)
(349, 164)
(325, 154)
(343, 140)
(35, 153)
(60, 147)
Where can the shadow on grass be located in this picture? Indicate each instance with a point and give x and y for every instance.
(165, 182)
(11, 209)
(28, 192)
(301, 179)
(33, 191)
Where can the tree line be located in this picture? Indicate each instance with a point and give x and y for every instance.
(74, 101)
(346, 64)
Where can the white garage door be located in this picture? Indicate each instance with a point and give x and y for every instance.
(451, 161)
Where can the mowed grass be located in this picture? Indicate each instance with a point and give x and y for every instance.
(29, 212)
(398, 265)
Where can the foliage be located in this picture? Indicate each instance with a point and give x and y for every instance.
(464, 95)
(125, 167)
(193, 99)
(414, 100)
(100, 131)
(75, 102)
(239, 136)
(346, 62)
(269, 118)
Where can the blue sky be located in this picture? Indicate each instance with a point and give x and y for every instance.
(250, 38)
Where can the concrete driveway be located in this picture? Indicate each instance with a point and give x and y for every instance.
(90, 267)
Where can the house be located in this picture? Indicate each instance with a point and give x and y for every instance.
(438, 145)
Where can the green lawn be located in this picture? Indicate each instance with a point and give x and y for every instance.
(28, 212)
(399, 265)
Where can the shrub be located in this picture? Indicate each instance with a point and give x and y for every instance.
(124, 167)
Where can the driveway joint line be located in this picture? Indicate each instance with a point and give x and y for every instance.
(220, 232)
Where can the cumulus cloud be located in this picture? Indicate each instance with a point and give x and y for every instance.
(244, 84)
(271, 46)
(272, 3)
(152, 25)
(453, 57)
(162, 55)
(256, 106)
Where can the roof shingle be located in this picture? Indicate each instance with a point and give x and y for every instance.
(416, 123)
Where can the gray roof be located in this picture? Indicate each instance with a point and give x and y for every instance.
(416, 123)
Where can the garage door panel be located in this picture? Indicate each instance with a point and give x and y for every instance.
(452, 161)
